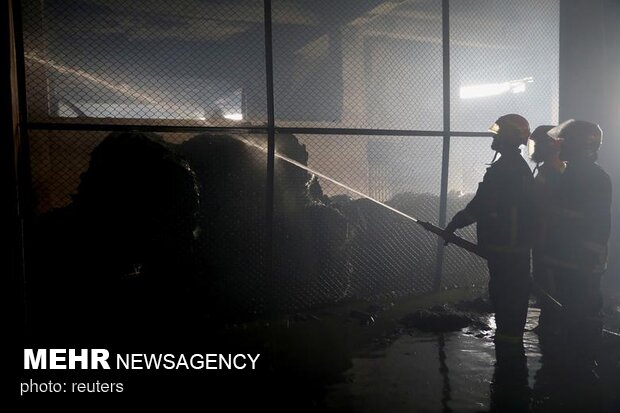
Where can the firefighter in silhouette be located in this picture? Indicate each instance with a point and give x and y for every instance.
(579, 252)
(502, 209)
(544, 150)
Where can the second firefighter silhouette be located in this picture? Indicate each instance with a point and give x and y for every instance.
(502, 209)
(545, 151)
(579, 252)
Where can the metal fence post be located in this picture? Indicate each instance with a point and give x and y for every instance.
(443, 195)
(25, 192)
(269, 230)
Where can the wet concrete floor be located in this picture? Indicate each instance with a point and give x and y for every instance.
(456, 371)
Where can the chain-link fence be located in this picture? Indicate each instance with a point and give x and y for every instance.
(359, 97)
(365, 64)
(189, 63)
(504, 58)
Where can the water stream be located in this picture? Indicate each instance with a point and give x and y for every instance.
(327, 178)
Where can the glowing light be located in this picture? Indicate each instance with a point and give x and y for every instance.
(234, 116)
(494, 89)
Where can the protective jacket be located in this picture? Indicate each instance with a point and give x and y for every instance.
(583, 211)
(502, 207)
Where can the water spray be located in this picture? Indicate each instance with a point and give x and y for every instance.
(328, 178)
(449, 237)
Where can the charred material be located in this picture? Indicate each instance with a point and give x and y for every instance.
(121, 252)
(442, 319)
(232, 176)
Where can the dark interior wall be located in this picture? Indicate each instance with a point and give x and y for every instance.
(590, 89)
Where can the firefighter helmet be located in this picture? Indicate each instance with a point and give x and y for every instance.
(511, 129)
(540, 145)
(580, 139)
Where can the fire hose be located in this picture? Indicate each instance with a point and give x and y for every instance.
(475, 249)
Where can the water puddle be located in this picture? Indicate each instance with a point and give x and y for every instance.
(454, 372)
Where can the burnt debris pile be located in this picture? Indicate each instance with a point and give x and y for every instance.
(444, 318)
(309, 234)
(120, 256)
